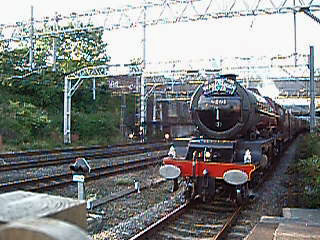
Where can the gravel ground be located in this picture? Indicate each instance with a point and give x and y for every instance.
(111, 216)
(109, 219)
(64, 168)
(272, 196)
(105, 217)
(139, 222)
(121, 218)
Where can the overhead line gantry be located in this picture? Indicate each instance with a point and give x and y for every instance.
(166, 12)
(149, 13)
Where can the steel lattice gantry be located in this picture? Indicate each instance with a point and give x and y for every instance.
(131, 16)
(102, 71)
(266, 69)
(69, 90)
(163, 12)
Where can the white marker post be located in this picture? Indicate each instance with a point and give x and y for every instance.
(81, 189)
(137, 186)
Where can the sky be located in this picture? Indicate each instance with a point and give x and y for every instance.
(245, 36)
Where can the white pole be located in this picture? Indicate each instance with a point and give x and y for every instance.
(94, 89)
(67, 112)
(54, 43)
(295, 33)
(312, 91)
(142, 82)
(31, 41)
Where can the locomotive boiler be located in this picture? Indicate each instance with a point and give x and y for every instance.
(240, 134)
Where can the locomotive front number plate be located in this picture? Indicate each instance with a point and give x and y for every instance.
(219, 101)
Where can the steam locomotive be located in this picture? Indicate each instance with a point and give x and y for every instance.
(240, 134)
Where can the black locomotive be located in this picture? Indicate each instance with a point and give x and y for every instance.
(240, 134)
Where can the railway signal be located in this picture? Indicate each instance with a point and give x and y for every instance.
(79, 169)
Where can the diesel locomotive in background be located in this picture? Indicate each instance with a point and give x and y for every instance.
(240, 134)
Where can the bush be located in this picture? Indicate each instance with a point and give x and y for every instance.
(100, 124)
(31, 115)
(28, 115)
(12, 131)
(308, 170)
(21, 122)
(310, 146)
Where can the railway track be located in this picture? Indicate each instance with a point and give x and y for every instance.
(57, 180)
(195, 220)
(36, 159)
(30, 153)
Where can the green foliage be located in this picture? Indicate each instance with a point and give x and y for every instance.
(33, 118)
(12, 131)
(36, 88)
(76, 49)
(308, 168)
(30, 116)
(21, 122)
(26, 126)
(100, 123)
(310, 146)
(12, 62)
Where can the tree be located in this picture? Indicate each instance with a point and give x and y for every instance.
(12, 61)
(75, 49)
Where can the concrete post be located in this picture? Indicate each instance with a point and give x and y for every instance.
(312, 91)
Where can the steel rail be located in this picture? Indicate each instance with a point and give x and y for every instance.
(228, 224)
(220, 235)
(57, 159)
(46, 182)
(113, 196)
(161, 222)
(8, 155)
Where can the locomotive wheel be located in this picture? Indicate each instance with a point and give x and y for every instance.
(242, 194)
(206, 197)
(189, 190)
(175, 185)
(239, 199)
(206, 188)
(187, 195)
